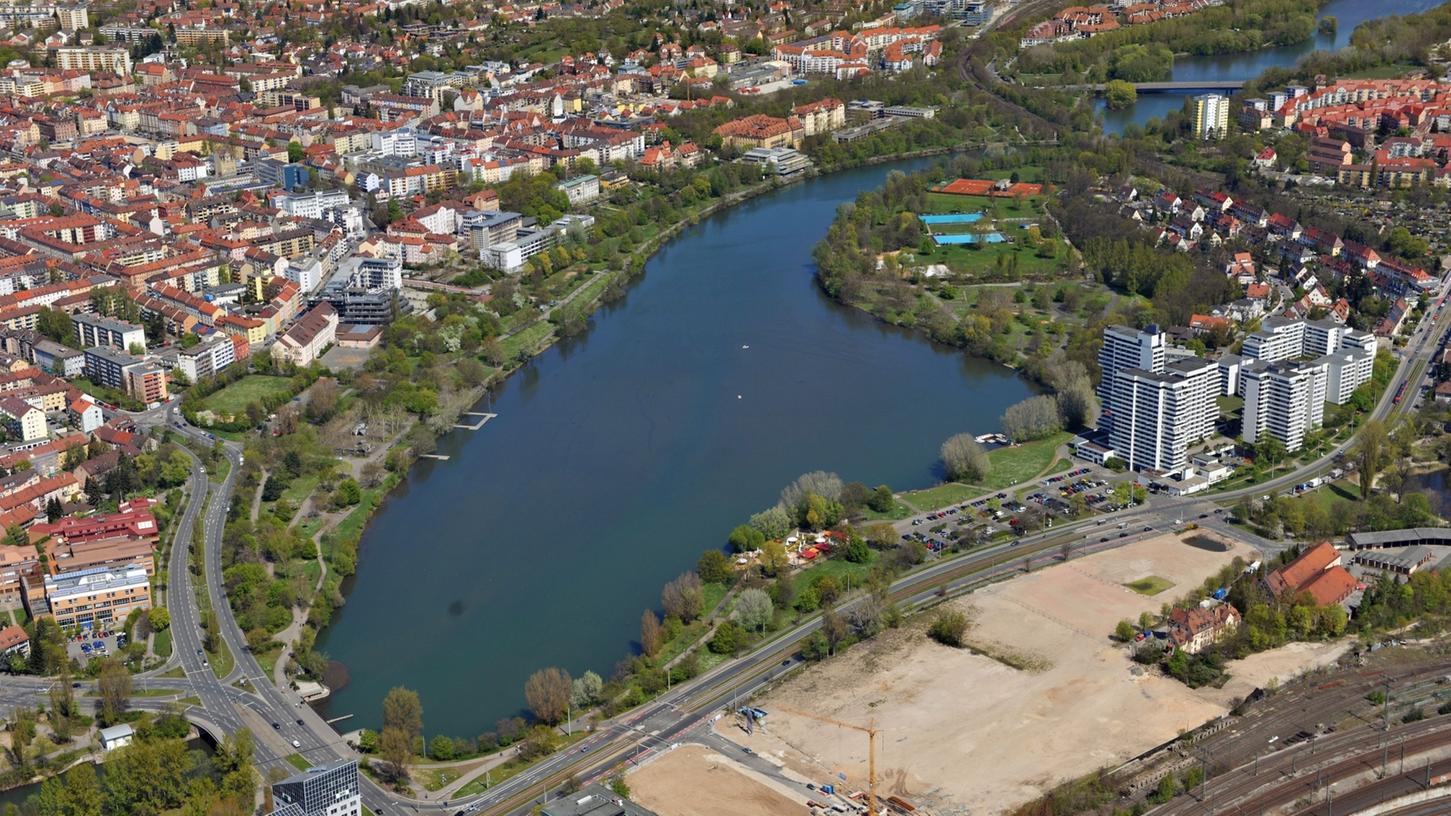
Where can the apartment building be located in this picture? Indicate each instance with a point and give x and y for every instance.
(1285, 400)
(206, 358)
(22, 420)
(1157, 415)
(97, 597)
(324, 790)
(1348, 355)
(99, 330)
(308, 337)
(97, 58)
(1125, 348)
(1211, 116)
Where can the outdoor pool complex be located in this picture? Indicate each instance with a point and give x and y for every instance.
(951, 218)
(968, 238)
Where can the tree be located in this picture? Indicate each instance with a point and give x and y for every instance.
(403, 711)
(950, 628)
(746, 538)
(547, 693)
(1033, 418)
(397, 750)
(818, 482)
(585, 690)
(114, 682)
(651, 638)
(77, 793)
(754, 609)
(773, 558)
(441, 747)
(1124, 631)
(1120, 94)
(773, 522)
(683, 598)
(882, 500)
(727, 638)
(965, 459)
(1370, 454)
(713, 567)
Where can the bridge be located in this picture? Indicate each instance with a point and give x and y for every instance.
(1162, 87)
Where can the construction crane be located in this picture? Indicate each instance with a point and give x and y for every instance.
(871, 732)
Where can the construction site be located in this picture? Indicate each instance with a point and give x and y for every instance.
(1040, 696)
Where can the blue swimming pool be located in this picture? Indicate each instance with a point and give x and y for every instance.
(951, 218)
(968, 238)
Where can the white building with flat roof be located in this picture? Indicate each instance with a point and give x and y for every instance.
(1284, 400)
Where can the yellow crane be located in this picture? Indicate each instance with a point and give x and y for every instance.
(871, 732)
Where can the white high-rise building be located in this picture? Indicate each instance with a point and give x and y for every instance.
(1125, 348)
(1157, 415)
(1348, 355)
(1284, 400)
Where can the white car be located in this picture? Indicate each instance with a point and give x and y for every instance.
(296, 744)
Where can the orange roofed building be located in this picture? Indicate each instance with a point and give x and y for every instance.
(1317, 573)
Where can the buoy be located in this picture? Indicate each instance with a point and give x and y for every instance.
(738, 396)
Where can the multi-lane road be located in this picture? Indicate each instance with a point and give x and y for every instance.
(284, 725)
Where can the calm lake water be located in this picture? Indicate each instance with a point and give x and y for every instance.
(616, 459)
(1349, 13)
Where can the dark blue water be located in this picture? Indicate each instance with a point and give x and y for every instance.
(617, 459)
(1349, 13)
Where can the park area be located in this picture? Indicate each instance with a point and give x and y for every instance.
(693, 779)
(1042, 695)
(233, 399)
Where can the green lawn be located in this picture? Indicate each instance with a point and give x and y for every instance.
(299, 489)
(526, 340)
(234, 399)
(998, 208)
(1230, 406)
(1331, 497)
(298, 761)
(435, 778)
(1150, 585)
(945, 494)
(838, 568)
(1019, 463)
(161, 643)
(1013, 465)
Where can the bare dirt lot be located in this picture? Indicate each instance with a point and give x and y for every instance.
(1046, 697)
(693, 779)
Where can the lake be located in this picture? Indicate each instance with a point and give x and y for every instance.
(1248, 65)
(620, 456)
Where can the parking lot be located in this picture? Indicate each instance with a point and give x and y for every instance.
(980, 520)
(96, 643)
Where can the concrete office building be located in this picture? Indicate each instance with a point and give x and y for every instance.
(1284, 400)
(97, 597)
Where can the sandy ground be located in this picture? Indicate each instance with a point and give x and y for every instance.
(969, 733)
(693, 780)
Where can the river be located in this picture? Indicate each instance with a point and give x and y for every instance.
(618, 457)
(1248, 65)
